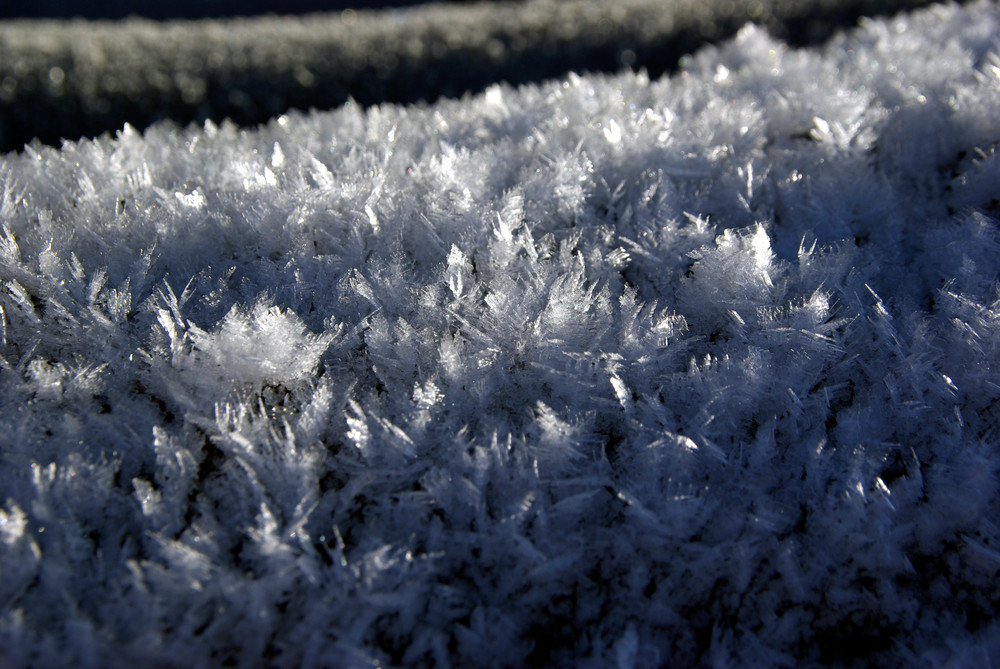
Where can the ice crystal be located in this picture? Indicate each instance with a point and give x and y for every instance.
(700, 370)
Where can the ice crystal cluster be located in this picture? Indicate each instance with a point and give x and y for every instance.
(702, 371)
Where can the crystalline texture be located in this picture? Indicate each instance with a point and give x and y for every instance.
(609, 370)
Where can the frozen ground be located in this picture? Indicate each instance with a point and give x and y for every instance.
(699, 371)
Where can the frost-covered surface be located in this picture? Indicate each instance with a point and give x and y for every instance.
(70, 79)
(604, 372)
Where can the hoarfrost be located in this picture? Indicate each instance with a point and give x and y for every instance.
(701, 369)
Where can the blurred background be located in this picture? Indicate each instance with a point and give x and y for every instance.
(184, 9)
(70, 70)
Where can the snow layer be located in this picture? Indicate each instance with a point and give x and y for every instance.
(602, 372)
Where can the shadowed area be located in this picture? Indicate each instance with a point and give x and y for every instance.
(189, 9)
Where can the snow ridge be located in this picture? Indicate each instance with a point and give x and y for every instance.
(601, 372)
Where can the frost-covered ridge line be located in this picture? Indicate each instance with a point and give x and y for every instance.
(72, 79)
(600, 372)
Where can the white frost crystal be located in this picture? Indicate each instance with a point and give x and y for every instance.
(600, 372)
